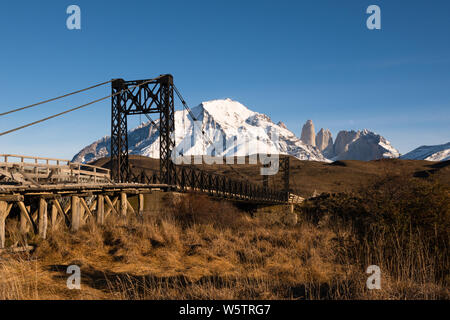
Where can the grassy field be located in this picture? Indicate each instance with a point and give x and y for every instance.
(308, 178)
(394, 214)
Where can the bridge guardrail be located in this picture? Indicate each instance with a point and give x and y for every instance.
(35, 170)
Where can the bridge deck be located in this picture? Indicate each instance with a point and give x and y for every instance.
(6, 191)
(71, 188)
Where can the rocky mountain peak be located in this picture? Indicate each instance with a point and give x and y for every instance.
(324, 142)
(281, 124)
(308, 134)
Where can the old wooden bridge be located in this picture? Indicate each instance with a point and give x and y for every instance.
(41, 192)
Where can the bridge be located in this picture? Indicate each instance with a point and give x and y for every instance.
(41, 192)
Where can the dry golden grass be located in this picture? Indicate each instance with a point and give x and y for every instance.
(203, 249)
(174, 257)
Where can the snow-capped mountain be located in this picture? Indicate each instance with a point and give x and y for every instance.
(431, 153)
(223, 128)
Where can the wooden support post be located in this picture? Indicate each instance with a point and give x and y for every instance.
(111, 205)
(117, 205)
(141, 204)
(3, 214)
(35, 214)
(123, 204)
(67, 208)
(54, 215)
(29, 212)
(75, 214)
(100, 209)
(81, 209)
(25, 218)
(92, 206)
(62, 212)
(86, 209)
(3, 206)
(43, 220)
(24, 227)
(130, 207)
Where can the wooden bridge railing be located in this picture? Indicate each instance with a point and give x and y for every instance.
(37, 170)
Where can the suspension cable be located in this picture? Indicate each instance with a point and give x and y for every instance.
(190, 112)
(53, 99)
(76, 108)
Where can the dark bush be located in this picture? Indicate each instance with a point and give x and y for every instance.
(394, 219)
(200, 209)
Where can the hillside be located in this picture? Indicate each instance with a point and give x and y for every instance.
(314, 177)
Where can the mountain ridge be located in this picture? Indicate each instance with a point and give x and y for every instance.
(439, 152)
(235, 130)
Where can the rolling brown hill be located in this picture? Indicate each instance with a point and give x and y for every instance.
(308, 178)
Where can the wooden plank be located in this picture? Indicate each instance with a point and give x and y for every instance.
(100, 209)
(43, 218)
(67, 208)
(62, 212)
(130, 207)
(8, 209)
(86, 210)
(3, 209)
(13, 197)
(111, 205)
(54, 216)
(93, 205)
(34, 216)
(85, 186)
(44, 195)
(141, 204)
(24, 211)
(22, 157)
(82, 212)
(75, 208)
(24, 226)
(14, 176)
(130, 191)
(29, 178)
(123, 204)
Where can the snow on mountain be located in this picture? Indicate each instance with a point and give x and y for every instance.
(430, 153)
(233, 129)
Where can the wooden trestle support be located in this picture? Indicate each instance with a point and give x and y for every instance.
(37, 211)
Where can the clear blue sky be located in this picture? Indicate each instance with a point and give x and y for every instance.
(293, 60)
